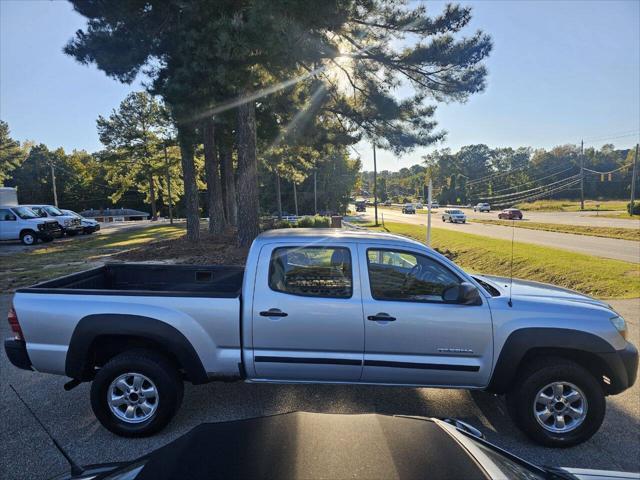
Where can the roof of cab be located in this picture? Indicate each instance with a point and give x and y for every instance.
(322, 234)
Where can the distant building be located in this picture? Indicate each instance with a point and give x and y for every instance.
(115, 215)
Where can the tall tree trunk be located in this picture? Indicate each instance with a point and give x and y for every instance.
(279, 197)
(186, 138)
(248, 202)
(295, 197)
(215, 208)
(228, 182)
(152, 196)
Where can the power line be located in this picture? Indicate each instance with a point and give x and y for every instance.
(515, 194)
(557, 172)
(540, 195)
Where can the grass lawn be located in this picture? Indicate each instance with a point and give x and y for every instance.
(61, 258)
(607, 232)
(573, 205)
(598, 277)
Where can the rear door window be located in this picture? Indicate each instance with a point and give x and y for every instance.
(312, 271)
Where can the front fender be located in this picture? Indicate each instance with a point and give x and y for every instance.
(619, 366)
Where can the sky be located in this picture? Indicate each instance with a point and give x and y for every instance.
(559, 72)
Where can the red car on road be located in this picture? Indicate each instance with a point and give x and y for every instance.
(510, 214)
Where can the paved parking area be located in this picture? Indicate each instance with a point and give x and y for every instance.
(27, 453)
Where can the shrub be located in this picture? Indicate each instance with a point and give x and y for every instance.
(635, 210)
(306, 222)
(283, 224)
(321, 222)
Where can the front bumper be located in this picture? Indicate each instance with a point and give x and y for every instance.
(623, 368)
(16, 351)
(50, 233)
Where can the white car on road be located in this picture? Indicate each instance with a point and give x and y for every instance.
(453, 215)
(482, 207)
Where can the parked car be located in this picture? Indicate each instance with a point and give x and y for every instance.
(22, 223)
(361, 206)
(387, 203)
(88, 225)
(510, 214)
(418, 205)
(350, 446)
(482, 207)
(70, 224)
(435, 205)
(309, 299)
(453, 215)
(408, 208)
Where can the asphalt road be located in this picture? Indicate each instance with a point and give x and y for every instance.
(564, 218)
(617, 249)
(27, 453)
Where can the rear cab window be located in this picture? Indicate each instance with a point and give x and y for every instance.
(322, 271)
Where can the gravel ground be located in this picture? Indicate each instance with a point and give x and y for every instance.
(27, 453)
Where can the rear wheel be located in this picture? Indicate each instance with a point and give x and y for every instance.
(28, 237)
(557, 403)
(136, 393)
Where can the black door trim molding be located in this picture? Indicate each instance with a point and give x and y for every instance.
(422, 366)
(310, 360)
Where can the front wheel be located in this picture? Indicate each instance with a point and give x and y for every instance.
(71, 233)
(557, 403)
(136, 393)
(28, 237)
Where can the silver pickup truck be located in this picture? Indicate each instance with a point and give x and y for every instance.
(325, 306)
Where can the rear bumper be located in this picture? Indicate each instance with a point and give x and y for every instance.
(16, 351)
(623, 367)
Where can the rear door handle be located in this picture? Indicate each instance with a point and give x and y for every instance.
(381, 317)
(273, 312)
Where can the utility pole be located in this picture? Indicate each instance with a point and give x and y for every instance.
(166, 164)
(581, 175)
(315, 190)
(430, 188)
(295, 198)
(375, 184)
(53, 182)
(633, 181)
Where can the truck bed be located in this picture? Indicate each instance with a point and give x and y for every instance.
(148, 279)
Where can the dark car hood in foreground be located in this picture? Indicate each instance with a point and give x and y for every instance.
(317, 445)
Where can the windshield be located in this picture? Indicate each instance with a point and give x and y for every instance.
(456, 212)
(25, 213)
(73, 214)
(53, 211)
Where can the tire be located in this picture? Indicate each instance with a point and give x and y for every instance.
(28, 237)
(159, 372)
(71, 233)
(46, 239)
(443, 219)
(523, 402)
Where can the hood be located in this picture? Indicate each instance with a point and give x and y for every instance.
(588, 474)
(527, 288)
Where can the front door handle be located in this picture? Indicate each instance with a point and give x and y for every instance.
(273, 312)
(381, 317)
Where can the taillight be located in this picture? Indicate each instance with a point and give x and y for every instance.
(14, 324)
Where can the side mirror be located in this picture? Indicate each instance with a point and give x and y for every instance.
(464, 293)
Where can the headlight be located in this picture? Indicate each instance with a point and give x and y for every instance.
(620, 325)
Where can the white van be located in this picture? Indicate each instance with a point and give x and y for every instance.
(22, 223)
(70, 224)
